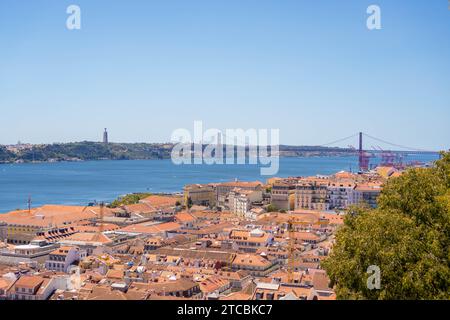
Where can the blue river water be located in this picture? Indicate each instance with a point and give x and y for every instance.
(78, 183)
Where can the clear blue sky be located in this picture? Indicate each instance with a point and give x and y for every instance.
(145, 68)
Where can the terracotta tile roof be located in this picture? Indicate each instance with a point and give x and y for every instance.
(62, 251)
(184, 217)
(306, 236)
(172, 286)
(55, 215)
(385, 172)
(136, 294)
(139, 208)
(29, 282)
(345, 175)
(250, 260)
(87, 237)
(237, 296)
(196, 254)
(114, 274)
(105, 293)
(157, 201)
(342, 183)
(314, 180)
(320, 280)
(245, 235)
(151, 228)
(369, 187)
(106, 227)
(241, 184)
(154, 296)
(333, 218)
(5, 283)
(213, 283)
(210, 228)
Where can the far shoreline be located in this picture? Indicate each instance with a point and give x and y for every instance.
(343, 155)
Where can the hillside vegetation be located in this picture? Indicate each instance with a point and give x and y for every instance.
(128, 151)
(90, 151)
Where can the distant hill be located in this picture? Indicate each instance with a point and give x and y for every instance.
(5, 155)
(84, 151)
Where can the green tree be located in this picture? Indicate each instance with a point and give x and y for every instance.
(190, 203)
(407, 237)
(129, 199)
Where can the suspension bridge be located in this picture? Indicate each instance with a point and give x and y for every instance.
(392, 156)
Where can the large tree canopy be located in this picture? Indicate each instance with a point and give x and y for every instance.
(407, 237)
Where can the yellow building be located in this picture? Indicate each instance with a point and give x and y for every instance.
(200, 194)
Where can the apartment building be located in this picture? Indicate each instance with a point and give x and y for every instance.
(5, 285)
(250, 241)
(312, 194)
(200, 194)
(175, 288)
(213, 286)
(367, 193)
(36, 250)
(63, 258)
(3, 231)
(162, 207)
(305, 237)
(32, 288)
(341, 193)
(280, 195)
(185, 219)
(240, 201)
(223, 190)
(277, 291)
(255, 264)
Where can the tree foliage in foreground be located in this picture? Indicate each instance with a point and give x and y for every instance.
(407, 237)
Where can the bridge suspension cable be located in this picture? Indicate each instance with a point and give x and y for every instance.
(396, 145)
(339, 140)
(407, 148)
